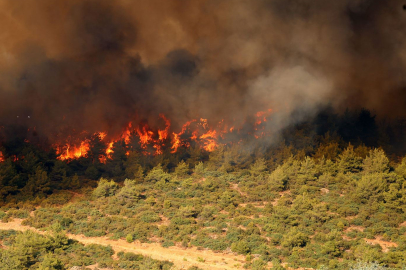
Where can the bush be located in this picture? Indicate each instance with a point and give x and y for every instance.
(371, 186)
(182, 169)
(376, 161)
(168, 243)
(278, 179)
(105, 188)
(149, 217)
(295, 238)
(240, 247)
(129, 192)
(129, 238)
(157, 174)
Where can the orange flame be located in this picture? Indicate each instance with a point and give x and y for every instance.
(194, 130)
(145, 136)
(163, 134)
(109, 149)
(71, 152)
(261, 116)
(175, 143)
(176, 140)
(209, 139)
(127, 133)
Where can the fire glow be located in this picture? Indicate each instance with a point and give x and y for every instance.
(154, 141)
(197, 131)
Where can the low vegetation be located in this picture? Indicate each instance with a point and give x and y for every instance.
(315, 202)
(30, 250)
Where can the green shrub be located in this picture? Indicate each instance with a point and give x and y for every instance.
(168, 243)
(240, 247)
(149, 217)
(295, 238)
(129, 238)
(157, 174)
(182, 169)
(129, 193)
(105, 188)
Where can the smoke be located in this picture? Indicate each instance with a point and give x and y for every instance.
(87, 65)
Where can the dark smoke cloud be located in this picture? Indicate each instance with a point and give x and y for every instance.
(96, 65)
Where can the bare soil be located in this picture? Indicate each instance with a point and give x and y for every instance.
(384, 244)
(182, 258)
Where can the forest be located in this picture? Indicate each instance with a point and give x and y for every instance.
(326, 196)
(202, 135)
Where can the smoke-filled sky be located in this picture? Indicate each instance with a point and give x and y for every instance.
(97, 64)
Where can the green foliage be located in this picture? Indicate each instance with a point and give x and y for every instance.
(401, 168)
(328, 150)
(92, 172)
(29, 250)
(168, 243)
(133, 168)
(227, 199)
(105, 188)
(278, 179)
(50, 263)
(276, 265)
(285, 204)
(258, 167)
(129, 238)
(240, 247)
(199, 169)
(295, 238)
(308, 171)
(259, 264)
(349, 161)
(376, 162)
(130, 260)
(182, 169)
(129, 192)
(38, 184)
(58, 198)
(157, 174)
(149, 217)
(371, 186)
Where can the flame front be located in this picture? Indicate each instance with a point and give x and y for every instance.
(177, 137)
(73, 151)
(152, 141)
(209, 140)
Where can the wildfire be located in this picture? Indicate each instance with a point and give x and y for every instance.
(209, 139)
(145, 136)
(154, 141)
(127, 133)
(163, 134)
(149, 137)
(109, 149)
(176, 143)
(73, 151)
(177, 140)
(261, 116)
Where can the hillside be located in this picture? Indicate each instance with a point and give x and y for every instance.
(308, 212)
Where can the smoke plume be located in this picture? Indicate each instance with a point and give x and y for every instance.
(94, 65)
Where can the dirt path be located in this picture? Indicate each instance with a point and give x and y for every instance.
(386, 245)
(182, 258)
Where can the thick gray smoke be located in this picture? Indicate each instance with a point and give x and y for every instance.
(96, 65)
